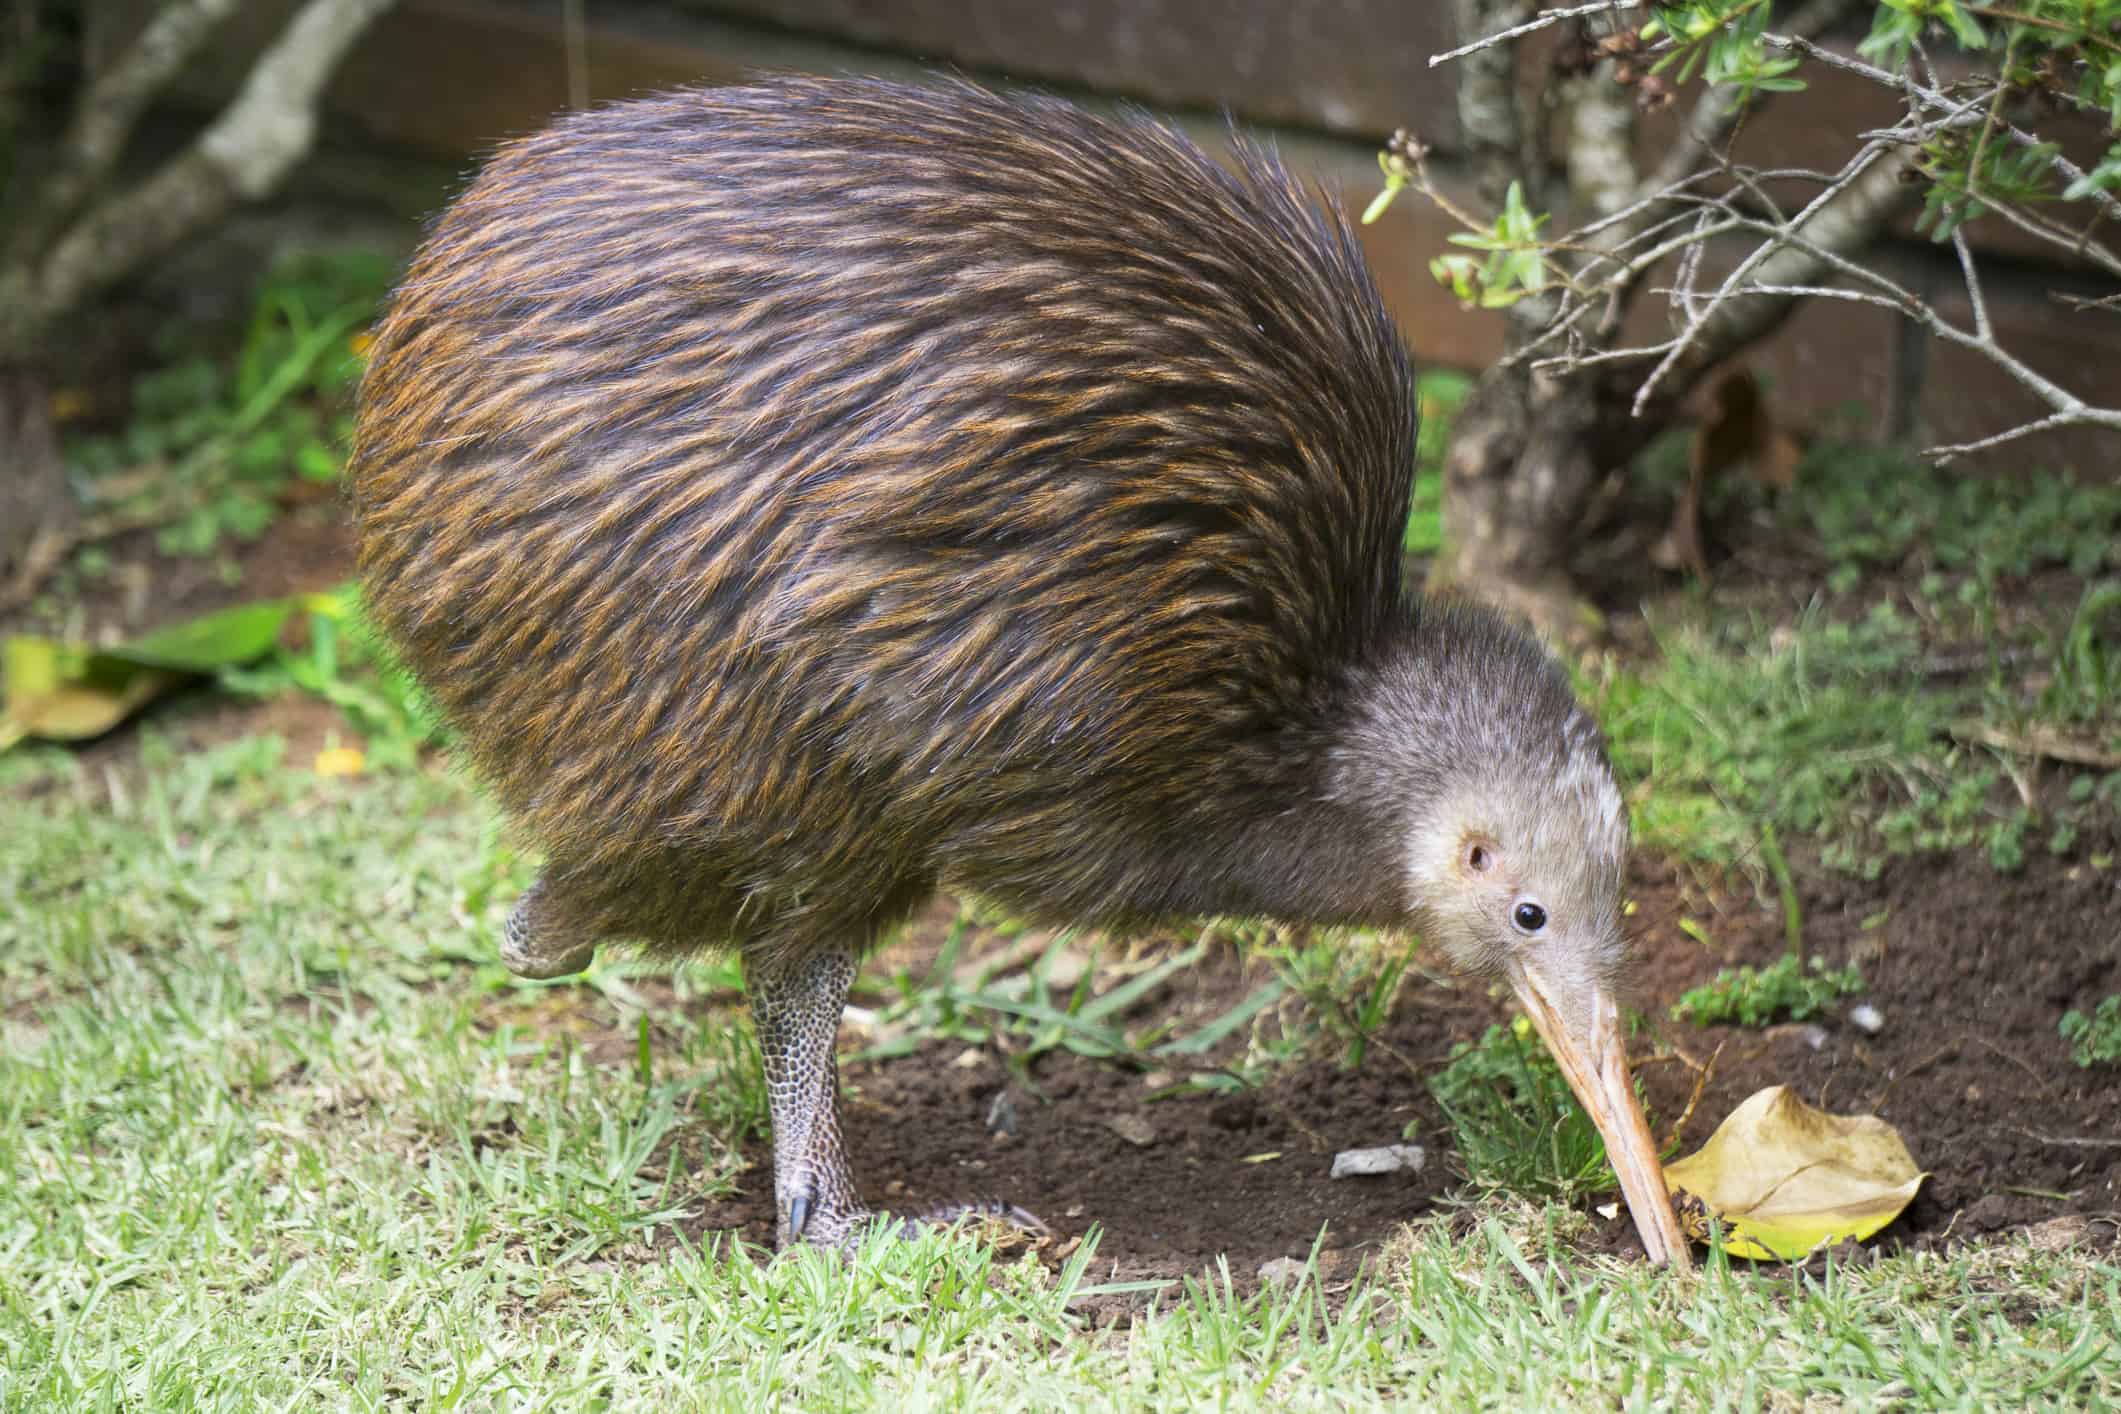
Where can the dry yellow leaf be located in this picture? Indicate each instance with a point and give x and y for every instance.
(339, 761)
(1785, 1179)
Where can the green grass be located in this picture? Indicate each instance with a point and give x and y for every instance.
(277, 1132)
(1841, 733)
(1784, 990)
(1514, 1123)
(1905, 708)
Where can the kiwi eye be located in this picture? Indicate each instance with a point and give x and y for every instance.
(1529, 917)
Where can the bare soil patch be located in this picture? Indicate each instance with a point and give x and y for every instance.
(1971, 971)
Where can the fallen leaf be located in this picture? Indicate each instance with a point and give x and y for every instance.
(339, 761)
(59, 696)
(68, 692)
(1785, 1178)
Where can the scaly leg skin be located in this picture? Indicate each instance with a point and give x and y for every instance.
(796, 1007)
(531, 947)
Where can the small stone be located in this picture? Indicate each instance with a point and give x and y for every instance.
(1367, 1163)
(1330, 1263)
(1867, 1018)
(1816, 1037)
(1001, 1114)
(1132, 1128)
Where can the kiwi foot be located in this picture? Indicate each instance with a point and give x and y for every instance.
(977, 1211)
(531, 948)
(806, 1219)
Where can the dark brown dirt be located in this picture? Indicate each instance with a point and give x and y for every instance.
(1971, 972)
(1243, 1173)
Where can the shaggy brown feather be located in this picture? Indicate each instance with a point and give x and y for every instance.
(800, 494)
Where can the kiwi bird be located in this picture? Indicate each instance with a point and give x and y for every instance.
(804, 495)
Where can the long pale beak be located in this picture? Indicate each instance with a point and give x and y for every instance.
(1597, 1067)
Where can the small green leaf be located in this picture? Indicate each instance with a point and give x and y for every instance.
(218, 640)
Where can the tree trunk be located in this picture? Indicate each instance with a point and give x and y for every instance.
(37, 507)
(1527, 452)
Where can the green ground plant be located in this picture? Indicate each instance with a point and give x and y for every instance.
(1514, 1123)
(345, 661)
(1873, 508)
(1842, 733)
(1347, 983)
(1787, 989)
(217, 433)
(2095, 1039)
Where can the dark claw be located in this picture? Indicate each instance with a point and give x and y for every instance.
(798, 1215)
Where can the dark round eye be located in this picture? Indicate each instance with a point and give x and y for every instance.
(1529, 917)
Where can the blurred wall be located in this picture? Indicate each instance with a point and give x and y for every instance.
(450, 78)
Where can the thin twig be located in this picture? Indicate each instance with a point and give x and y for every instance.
(2040, 743)
(1532, 26)
(1858, 165)
(2070, 1141)
(2019, 17)
(2106, 201)
(1982, 329)
(1701, 1083)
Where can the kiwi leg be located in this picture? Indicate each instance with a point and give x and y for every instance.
(796, 1004)
(531, 946)
(796, 1007)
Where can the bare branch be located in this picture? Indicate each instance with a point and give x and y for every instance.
(2050, 423)
(1488, 118)
(1973, 284)
(2070, 171)
(1718, 109)
(1532, 26)
(110, 106)
(1874, 194)
(243, 153)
